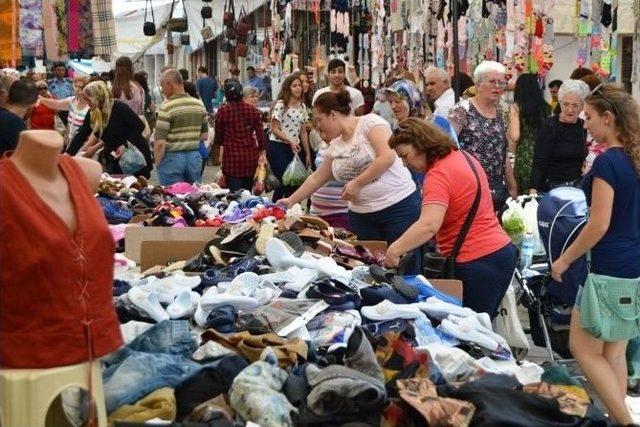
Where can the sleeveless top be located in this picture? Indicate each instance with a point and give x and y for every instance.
(56, 304)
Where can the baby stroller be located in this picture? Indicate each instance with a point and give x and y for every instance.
(561, 215)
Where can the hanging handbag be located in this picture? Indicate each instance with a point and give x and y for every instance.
(229, 15)
(226, 46)
(207, 32)
(185, 40)
(610, 306)
(178, 25)
(438, 266)
(243, 26)
(149, 27)
(206, 12)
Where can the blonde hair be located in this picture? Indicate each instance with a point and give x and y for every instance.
(607, 97)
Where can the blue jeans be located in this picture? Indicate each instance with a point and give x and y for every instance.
(235, 183)
(138, 374)
(180, 166)
(168, 336)
(389, 224)
(486, 280)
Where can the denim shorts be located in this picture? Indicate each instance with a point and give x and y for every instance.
(576, 305)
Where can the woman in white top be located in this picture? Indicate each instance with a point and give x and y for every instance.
(382, 198)
(289, 117)
(76, 107)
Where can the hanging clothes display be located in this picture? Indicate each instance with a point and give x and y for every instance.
(80, 28)
(50, 29)
(104, 29)
(9, 24)
(31, 28)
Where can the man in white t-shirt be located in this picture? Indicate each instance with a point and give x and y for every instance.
(336, 70)
(438, 87)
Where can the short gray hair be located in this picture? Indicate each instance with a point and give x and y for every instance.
(172, 76)
(249, 91)
(440, 72)
(486, 67)
(575, 87)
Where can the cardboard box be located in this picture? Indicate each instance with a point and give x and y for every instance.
(163, 253)
(134, 236)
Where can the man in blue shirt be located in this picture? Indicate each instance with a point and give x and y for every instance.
(61, 87)
(207, 88)
(257, 82)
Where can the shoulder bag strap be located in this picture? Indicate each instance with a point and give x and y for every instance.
(184, 9)
(472, 212)
(173, 5)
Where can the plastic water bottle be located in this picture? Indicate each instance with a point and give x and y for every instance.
(526, 251)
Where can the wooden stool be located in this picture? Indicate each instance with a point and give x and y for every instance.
(27, 394)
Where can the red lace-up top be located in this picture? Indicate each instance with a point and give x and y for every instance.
(56, 304)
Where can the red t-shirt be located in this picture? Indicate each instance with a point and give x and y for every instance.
(451, 182)
(42, 117)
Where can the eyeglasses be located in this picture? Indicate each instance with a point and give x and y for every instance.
(568, 106)
(497, 83)
(597, 92)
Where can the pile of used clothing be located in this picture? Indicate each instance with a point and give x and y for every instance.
(281, 322)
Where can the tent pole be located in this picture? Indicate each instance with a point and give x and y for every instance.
(456, 53)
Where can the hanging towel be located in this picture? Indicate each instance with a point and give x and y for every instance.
(31, 28)
(61, 23)
(86, 29)
(9, 23)
(73, 26)
(104, 30)
(50, 26)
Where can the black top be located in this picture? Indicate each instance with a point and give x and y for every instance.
(124, 125)
(10, 128)
(559, 153)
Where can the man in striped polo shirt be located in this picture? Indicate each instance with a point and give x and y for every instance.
(181, 125)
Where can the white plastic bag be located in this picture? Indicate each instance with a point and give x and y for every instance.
(507, 324)
(513, 221)
(531, 223)
(296, 172)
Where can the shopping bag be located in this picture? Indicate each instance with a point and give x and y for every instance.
(530, 211)
(513, 221)
(507, 323)
(296, 172)
(131, 160)
(271, 182)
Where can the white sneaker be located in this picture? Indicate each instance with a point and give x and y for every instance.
(184, 305)
(386, 310)
(148, 302)
(439, 309)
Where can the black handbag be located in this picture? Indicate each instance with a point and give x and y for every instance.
(149, 27)
(206, 12)
(438, 266)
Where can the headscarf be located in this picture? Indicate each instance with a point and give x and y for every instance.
(101, 105)
(408, 92)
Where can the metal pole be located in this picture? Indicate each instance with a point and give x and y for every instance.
(456, 53)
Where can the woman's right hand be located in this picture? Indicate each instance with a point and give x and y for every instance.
(286, 202)
(295, 146)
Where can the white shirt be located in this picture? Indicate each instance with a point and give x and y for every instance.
(445, 103)
(351, 158)
(357, 100)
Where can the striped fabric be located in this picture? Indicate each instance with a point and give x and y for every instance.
(181, 121)
(327, 200)
(104, 28)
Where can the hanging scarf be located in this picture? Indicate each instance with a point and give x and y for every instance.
(101, 104)
(9, 23)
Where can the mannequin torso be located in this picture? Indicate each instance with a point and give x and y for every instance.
(36, 158)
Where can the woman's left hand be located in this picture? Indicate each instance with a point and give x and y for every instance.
(351, 191)
(392, 258)
(558, 268)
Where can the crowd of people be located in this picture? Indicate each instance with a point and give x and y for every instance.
(405, 168)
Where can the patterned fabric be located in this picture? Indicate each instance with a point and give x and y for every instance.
(61, 15)
(86, 29)
(484, 138)
(73, 26)
(100, 96)
(9, 23)
(238, 127)
(291, 120)
(104, 29)
(524, 157)
(327, 200)
(181, 121)
(31, 27)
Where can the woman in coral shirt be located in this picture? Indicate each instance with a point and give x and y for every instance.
(487, 259)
